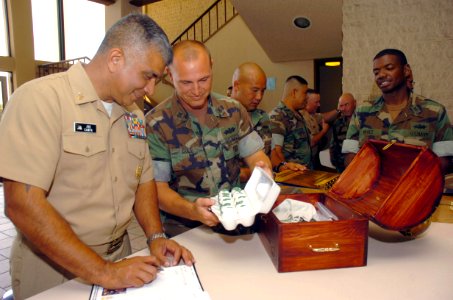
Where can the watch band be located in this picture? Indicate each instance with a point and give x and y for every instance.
(154, 236)
(277, 168)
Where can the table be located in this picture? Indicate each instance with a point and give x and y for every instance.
(239, 268)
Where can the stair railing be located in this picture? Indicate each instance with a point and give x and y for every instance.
(60, 66)
(212, 20)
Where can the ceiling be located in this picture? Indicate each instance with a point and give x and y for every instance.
(271, 22)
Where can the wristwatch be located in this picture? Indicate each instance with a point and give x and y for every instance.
(277, 168)
(154, 236)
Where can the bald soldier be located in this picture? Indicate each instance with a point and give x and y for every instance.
(249, 85)
(346, 107)
(399, 114)
(197, 140)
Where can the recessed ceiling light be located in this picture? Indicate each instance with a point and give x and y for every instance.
(332, 63)
(302, 22)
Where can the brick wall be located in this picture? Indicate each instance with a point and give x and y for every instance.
(422, 29)
(174, 16)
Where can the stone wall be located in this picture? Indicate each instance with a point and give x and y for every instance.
(422, 29)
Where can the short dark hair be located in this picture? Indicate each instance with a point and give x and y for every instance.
(312, 91)
(137, 32)
(300, 79)
(398, 53)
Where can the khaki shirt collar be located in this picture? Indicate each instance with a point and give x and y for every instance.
(84, 92)
(81, 86)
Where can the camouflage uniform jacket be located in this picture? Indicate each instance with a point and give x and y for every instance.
(289, 131)
(261, 124)
(423, 122)
(199, 160)
(339, 129)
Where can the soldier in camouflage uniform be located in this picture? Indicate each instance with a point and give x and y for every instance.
(197, 141)
(346, 107)
(399, 114)
(249, 85)
(290, 137)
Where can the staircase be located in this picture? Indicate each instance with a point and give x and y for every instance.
(219, 14)
(50, 68)
(212, 20)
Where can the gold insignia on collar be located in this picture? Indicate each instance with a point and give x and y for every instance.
(138, 172)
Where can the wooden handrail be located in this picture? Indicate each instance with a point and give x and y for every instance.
(229, 12)
(60, 66)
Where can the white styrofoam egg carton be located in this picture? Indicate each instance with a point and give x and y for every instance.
(240, 206)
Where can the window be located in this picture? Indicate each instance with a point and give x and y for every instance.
(84, 27)
(4, 40)
(45, 30)
(5, 88)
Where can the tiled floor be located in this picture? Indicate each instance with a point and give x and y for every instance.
(8, 232)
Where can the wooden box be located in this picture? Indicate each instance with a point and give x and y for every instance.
(396, 186)
(315, 245)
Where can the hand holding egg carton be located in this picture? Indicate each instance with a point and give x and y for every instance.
(240, 206)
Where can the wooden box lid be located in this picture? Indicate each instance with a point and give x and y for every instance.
(397, 186)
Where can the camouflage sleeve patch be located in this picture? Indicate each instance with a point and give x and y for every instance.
(162, 171)
(350, 146)
(250, 144)
(277, 139)
(443, 148)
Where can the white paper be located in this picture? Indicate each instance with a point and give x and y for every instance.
(178, 282)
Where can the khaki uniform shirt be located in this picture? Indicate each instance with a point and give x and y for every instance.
(56, 134)
(314, 123)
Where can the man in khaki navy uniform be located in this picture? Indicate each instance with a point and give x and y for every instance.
(75, 165)
(399, 114)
